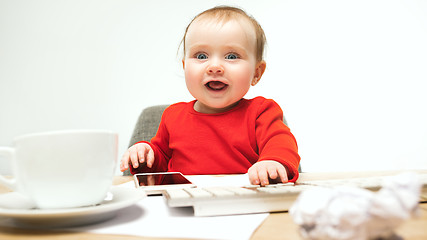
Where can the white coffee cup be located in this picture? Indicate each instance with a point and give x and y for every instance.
(63, 169)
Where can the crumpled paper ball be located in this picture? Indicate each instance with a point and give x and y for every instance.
(351, 213)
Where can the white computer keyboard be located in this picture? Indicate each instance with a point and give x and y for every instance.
(213, 201)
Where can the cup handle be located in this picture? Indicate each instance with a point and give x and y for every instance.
(9, 153)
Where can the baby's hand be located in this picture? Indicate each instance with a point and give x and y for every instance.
(261, 172)
(137, 154)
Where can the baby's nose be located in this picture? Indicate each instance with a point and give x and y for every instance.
(215, 68)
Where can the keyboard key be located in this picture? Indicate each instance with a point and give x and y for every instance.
(242, 191)
(219, 192)
(178, 194)
(198, 192)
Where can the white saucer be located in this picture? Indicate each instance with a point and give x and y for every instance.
(119, 198)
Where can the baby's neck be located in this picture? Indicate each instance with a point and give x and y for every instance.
(202, 108)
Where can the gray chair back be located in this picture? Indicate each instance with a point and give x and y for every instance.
(146, 126)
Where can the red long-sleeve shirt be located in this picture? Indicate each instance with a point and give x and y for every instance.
(225, 143)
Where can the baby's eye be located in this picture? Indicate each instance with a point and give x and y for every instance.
(232, 56)
(201, 56)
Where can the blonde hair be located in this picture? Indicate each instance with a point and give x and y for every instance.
(227, 13)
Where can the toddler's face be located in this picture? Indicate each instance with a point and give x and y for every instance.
(220, 64)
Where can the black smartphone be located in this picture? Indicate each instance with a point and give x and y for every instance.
(156, 183)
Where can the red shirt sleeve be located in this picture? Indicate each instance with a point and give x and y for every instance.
(275, 141)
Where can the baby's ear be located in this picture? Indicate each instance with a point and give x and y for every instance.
(183, 64)
(255, 80)
(259, 71)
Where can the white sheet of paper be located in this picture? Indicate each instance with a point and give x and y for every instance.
(151, 217)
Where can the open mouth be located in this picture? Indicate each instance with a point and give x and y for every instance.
(216, 85)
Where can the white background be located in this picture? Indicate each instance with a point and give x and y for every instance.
(350, 75)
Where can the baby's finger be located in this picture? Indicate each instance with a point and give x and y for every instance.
(150, 157)
(141, 156)
(263, 176)
(283, 175)
(124, 162)
(272, 172)
(134, 157)
(253, 176)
